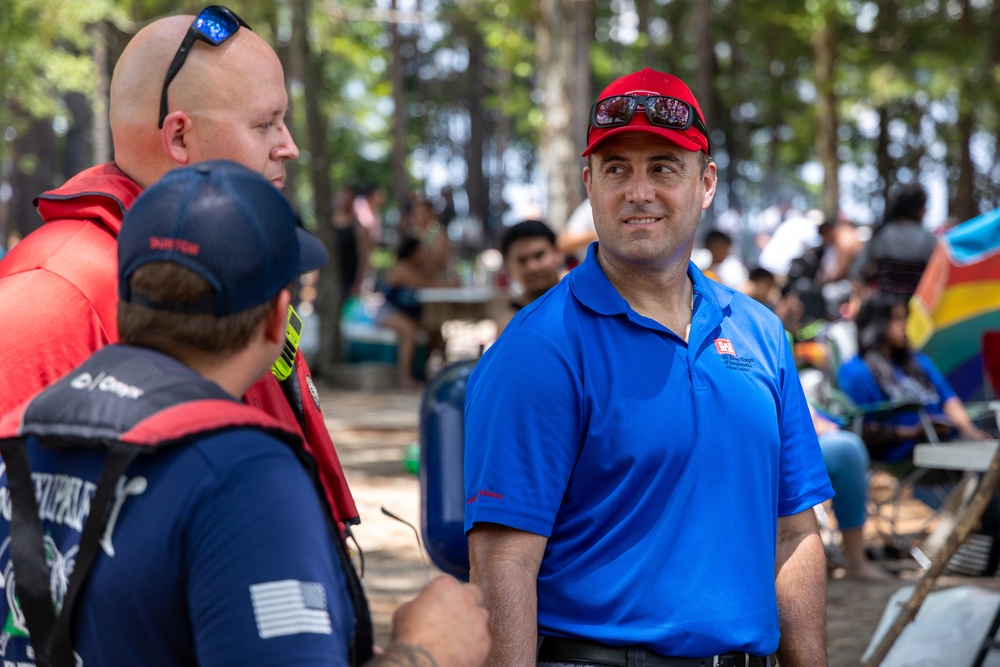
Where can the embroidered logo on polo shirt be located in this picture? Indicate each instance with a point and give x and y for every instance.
(484, 493)
(725, 346)
(731, 360)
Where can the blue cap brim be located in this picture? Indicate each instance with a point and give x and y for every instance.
(312, 252)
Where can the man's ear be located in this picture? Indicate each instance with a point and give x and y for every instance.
(277, 318)
(176, 128)
(710, 180)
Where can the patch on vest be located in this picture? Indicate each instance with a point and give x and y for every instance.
(312, 390)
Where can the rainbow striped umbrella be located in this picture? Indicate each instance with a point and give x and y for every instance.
(958, 300)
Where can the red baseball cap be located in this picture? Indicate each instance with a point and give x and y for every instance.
(650, 82)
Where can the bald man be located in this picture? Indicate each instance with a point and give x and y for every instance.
(58, 289)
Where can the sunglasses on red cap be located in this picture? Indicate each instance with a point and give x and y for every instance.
(214, 25)
(662, 111)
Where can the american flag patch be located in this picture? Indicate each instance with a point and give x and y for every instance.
(290, 607)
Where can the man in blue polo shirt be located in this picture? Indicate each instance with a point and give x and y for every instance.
(641, 466)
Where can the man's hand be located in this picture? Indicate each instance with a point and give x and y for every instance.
(444, 626)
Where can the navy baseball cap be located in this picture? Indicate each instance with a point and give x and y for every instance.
(226, 223)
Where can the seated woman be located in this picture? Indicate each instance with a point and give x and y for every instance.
(402, 310)
(886, 369)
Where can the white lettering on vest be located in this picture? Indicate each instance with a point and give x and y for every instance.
(108, 383)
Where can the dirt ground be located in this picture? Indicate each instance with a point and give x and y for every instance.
(372, 428)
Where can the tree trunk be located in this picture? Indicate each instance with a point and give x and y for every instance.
(994, 66)
(79, 150)
(645, 15)
(964, 206)
(824, 58)
(475, 186)
(882, 160)
(501, 137)
(99, 117)
(36, 146)
(581, 94)
(398, 166)
(308, 69)
(704, 89)
(555, 67)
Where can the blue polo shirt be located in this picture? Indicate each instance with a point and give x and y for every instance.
(656, 468)
(856, 380)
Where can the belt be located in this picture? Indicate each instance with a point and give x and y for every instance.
(558, 649)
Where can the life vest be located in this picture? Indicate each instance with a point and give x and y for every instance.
(125, 401)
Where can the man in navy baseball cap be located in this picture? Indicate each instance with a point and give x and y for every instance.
(225, 223)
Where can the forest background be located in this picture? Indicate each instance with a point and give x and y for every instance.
(818, 101)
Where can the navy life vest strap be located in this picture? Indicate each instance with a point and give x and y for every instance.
(50, 631)
(27, 553)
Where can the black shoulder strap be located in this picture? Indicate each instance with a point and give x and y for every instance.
(49, 629)
(364, 635)
(363, 641)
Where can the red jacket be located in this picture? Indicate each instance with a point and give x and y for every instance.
(59, 301)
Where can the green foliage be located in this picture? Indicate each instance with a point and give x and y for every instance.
(46, 55)
(909, 66)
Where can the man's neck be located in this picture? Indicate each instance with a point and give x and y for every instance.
(234, 372)
(664, 296)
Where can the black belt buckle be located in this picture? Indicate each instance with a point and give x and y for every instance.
(731, 660)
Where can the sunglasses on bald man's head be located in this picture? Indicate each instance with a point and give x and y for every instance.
(214, 25)
(661, 111)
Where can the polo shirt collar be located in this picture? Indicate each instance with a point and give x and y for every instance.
(592, 288)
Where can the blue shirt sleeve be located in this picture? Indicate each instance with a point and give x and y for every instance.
(803, 478)
(938, 379)
(858, 383)
(264, 585)
(522, 433)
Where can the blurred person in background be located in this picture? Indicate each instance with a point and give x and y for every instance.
(886, 368)
(402, 310)
(724, 266)
(368, 209)
(434, 237)
(761, 286)
(894, 258)
(577, 235)
(794, 236)
(533, 262)
(353, 243)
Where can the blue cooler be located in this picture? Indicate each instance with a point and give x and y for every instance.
(442, 468)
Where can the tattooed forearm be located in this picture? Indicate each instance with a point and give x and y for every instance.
(404, 655)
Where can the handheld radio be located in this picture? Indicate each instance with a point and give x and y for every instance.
(285, 363)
